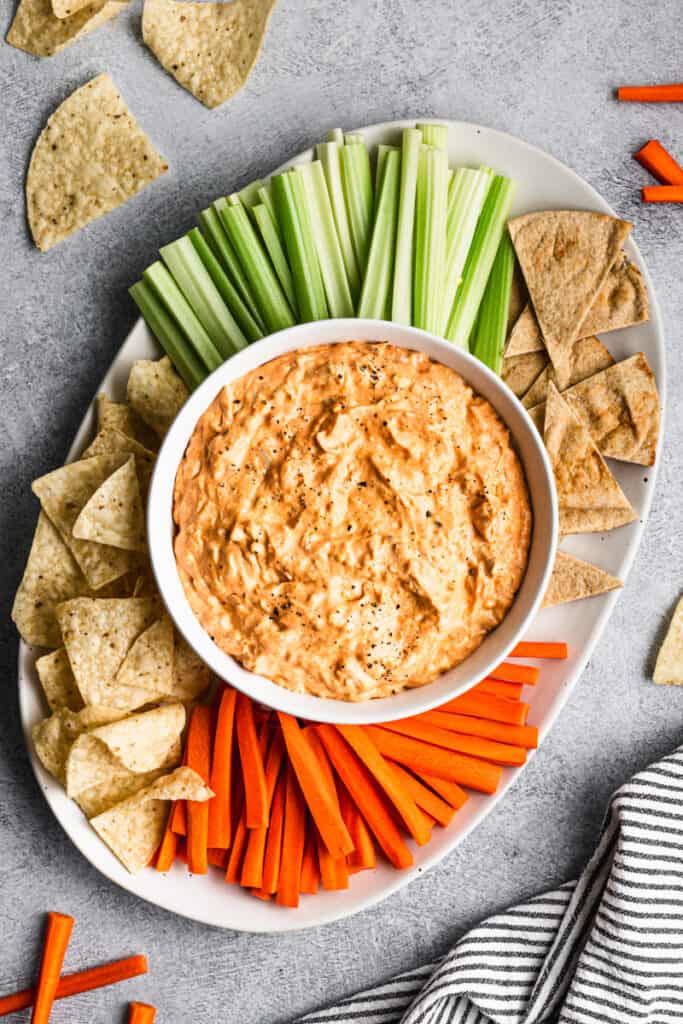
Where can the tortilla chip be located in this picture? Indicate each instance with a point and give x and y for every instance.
(565, 257)
(621, 302)
(519, 297)
(58, 682)
(113, 415)
(520, 372)
(589, 356)
(589, 497)
(54, 736)
(37, 30)
(134, 829)
(149, 662)
(190, 675)
(65, 8)
(50, 577)
(114, 515)
(669, 666)
(525, 336)
(156, 393)
(63, 493)
(572, 580)
(90, 157)
(114, 442)
(209, 48)
(98, 634)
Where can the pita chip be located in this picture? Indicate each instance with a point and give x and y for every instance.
(589, 356)
(572, 580)
(669, 666)
(525, 336)
(39, 31)
(518, 298)
(589, 497)
(565, 257)
(520, 372)
(621, 302)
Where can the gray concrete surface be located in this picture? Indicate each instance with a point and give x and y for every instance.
(542, 69)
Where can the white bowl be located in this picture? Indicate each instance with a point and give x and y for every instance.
(496, 645)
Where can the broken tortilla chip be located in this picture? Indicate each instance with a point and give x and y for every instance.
(114, 515)
(572, 580)
(58, 682)
(565, 256)
(54, 736)
(589, 497)
(209, 48)
(36, 28)
(90, 157)
(520, 372)
(589, 356)
(156, 393)
(669, 666)
(621, 302)
(134, 828)
(50, 577)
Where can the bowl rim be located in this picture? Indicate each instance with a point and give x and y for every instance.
(160, 527)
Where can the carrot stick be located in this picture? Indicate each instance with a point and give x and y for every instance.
(424, 757)
(510, 673)
(334, 871)
(437, 808)
(217, 857)
(198, 757)
(366, 796)
(252, 865)
(517, 735)
(169, 844)
(383, 773)
(293, 841)
(484, 705)
(221, 771)
(651, 93)
(448, 791)
(310, 871)
(57, 935)
(510, 691)
(662, 194)
(233, 870)
(659, 162)
(321, 800)
(273, 850)
(261, 895)
(141, 1013)
(364, 855)
(538, 649)
(253, 771)
(81, 981)
(179, 817)
(181, 850)
(474, 746)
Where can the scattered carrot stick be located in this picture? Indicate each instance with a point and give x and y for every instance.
(651, 93)
(538, 649)
(273, 850)
(322, 801)
(510, 673)
(366, 796)
(383, 773)
(252, 865)
(253, 771)
(517, 735)
(221, 771)
(660, 163)
(141, 1013)
(334, 871)
(445, 764)
(198, 757)
(310, 871)
(57, 935)
(461, 743)
(81, 981)
(169, 844)
(424, 797)
(293, 841)
(217, 857)
(499, 688)
(451, 792)
(662, 194)
(364, 855)
(484, 705)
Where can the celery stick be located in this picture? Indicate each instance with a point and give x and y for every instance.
(249, 195)
(164, 287)
(328, 154)
(402, 296)
(194, 281)
(357, 184)
(258, 269)
(295, 227)
(232, 298)
(327, 245)
(266, 197)
(354, 139)
(431, 204)
(382, 151)
(376, 292)
(434, 135)
(487, 236)
(168, 334)
(214, 232)
(336, 135)
(271, 239)
(466, 197)
(488, 338)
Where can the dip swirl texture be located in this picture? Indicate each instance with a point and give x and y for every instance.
(351, 520)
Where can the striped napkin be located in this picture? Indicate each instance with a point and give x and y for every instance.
(605, 948)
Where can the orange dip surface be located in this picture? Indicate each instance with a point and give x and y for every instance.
(352, 520)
